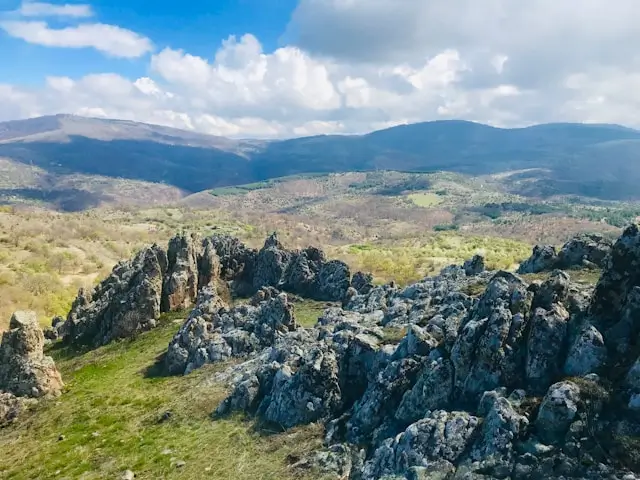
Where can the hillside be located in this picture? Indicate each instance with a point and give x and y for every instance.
(74, 163)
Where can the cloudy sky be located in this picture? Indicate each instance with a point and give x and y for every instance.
(281, 68)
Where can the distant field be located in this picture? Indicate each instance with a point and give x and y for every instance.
(425, 199)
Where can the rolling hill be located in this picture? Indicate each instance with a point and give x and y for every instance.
(80, 159)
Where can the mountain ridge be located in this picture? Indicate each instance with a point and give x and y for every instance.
(590, 159)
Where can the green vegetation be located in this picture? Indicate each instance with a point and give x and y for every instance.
(308, 311)
(446, 227)
(425, 199)
(110, 419)
(413, 259)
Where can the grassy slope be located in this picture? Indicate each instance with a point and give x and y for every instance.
(109, 418)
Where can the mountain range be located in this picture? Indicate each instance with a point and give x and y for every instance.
(56, 157)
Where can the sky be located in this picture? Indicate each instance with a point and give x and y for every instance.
(286, 68)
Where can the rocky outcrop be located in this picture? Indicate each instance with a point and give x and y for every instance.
(137, 291)
(180, 285)
(474, 387)
(24, 369)
(214, 333)
(543, 257)
(126, 303)
(582, 251)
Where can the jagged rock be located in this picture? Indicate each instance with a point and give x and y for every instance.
(362, 283)
(432, 391)
(11, 407)
(271, 263)
(545, 346)
(502, 427)
(124, 304)
(310, 394)
(237, 263)
(584, 250)
(212, 333)
(381, 398)
(475, 266)
(24, 369)
(263, 295)
(435, 442)
(336, 461)
(553, 290)
(180, 286)
(543, 257)
(626, 329)
(621, 273)
(333, 281)
(587, 353)
(487, 351)
(558, 409)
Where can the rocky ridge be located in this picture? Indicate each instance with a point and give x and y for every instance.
(132, 298)
(522, 381)
(582, 251)
(25, 372)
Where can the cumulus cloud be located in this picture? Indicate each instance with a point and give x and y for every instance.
(381, 63)
(41, 9)
(109, 39)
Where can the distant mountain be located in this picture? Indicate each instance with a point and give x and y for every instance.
(585, 159)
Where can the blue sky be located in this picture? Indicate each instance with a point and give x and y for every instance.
(282, 68)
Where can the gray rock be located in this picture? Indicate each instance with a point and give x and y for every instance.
(545, 346)
(432, 391)
(180, 286)
(24, 369)
(475, 266)
(124, 304)
(587, 354)
(308, 395)
(11, 407)
(435, 442)
(543, 257)
(558, 409)
(584, 250)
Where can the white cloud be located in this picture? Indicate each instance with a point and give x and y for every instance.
(41, 9)
(109, 39)
(382, 63)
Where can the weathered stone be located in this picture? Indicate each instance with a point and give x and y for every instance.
(544, 257)
(558, 409)
(362, 283)
(308, 395)
(587, 354)
(124, 304)
(432, 391)
(475, 266)
(11, 407)
(180, 286)
(24, 369)
(545, 346)
(584, 250)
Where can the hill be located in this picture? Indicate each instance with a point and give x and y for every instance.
(76, 163)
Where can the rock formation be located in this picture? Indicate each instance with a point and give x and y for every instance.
(504, 384)
(582, 251)
(131, 299)
(25, 372)
(124, 304)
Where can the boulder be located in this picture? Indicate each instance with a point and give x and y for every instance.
(362, 283)
(543, 257)
(558, 409)
(11, 407)
(586, 250)
(24, 369)
(475, 266)
(587, 353)
(545, 346)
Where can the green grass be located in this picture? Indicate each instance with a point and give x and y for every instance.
(425, 199)
(308, 312)
(109, 417)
